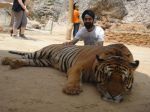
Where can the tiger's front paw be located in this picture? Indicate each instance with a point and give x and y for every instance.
(72, 90)
(6, 61)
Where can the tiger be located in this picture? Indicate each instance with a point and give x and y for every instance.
(109, 68)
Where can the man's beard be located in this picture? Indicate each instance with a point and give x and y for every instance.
(88, 25)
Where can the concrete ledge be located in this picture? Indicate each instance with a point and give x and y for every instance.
(5, 4)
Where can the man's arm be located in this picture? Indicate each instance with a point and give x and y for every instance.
(72, 42)
(22, 5)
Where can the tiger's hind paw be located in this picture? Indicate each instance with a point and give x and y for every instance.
(6, 61)
(72, 90)
(16, 64)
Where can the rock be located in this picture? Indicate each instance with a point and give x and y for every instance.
(48, 8)
(33, 24)
(138, 11)
(147, 25)
(110, 8)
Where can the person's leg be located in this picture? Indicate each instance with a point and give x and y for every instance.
(22, 30)
(78, 24)
(76, 28)
(11, 23)
(17, 22)
(23, 25)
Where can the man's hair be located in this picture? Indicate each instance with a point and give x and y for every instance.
(88, 12)
(75, 5)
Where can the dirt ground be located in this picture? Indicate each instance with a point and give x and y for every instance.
(35, 89)
(129, 33)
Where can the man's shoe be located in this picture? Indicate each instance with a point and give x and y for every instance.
(14, 36)
(23, 36)
(11, 32)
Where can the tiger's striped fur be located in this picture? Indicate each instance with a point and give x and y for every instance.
(109, 67)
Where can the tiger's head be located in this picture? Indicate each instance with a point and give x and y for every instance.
(114, 77)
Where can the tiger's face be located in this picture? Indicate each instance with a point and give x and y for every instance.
(114, 77)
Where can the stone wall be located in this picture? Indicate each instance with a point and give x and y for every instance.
(139, 11)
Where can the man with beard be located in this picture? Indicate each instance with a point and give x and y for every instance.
(90, 34)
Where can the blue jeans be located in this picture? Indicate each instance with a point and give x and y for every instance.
(75, 29)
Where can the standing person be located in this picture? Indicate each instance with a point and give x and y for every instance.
(20, 12)
(90, 34)
(76, 19)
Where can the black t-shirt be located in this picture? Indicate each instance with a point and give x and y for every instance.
(16, 6)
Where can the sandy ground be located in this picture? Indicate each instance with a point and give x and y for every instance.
(34, 89)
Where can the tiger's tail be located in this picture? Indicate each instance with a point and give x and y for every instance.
(18, 53)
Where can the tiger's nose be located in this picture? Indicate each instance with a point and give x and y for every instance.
(118, 99)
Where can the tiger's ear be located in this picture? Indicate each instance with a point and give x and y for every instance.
(99, 59)
(134, 64)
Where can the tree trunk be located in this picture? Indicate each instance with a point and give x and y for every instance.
(70, 24)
